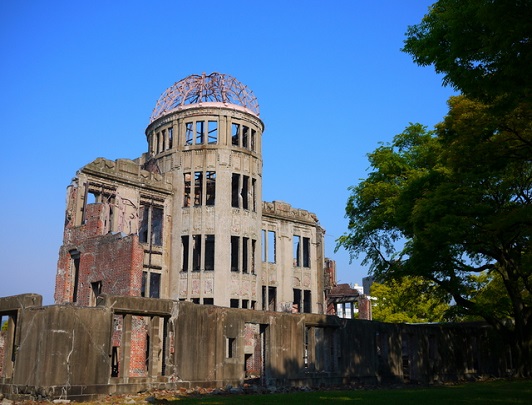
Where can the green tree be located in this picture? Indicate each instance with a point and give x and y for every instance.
(483, 47)
(454, 206)
(409, 299)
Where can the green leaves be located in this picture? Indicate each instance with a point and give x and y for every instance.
(483, 47)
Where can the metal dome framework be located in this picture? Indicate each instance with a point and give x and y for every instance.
(196, 89)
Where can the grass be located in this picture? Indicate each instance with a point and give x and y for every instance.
(478, 393)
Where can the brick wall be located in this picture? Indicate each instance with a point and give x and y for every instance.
(114, 259)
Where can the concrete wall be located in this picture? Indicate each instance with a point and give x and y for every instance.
(67, 351)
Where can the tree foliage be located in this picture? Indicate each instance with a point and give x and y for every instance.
(408, 300)
(483, 47)
(453, 205)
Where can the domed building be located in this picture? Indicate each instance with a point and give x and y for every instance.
(186, 220)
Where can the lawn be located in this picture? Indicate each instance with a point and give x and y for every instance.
(478, 393)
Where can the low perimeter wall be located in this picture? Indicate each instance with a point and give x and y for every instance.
(124, 345)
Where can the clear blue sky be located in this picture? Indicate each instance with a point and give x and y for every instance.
(78, 80)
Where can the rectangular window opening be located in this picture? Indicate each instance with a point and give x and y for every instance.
(170, 137)
(235, 134)
(210, 191)
(307, 302)
(245, 244)
(186, 196)
(253, 247)
(196, 252)
(96, 290)
(198, 188)
(254, 195)
(208, 301)
(75, 260)
(244, 193)
(235, 188)
(155, 285)
(296, 306)
(233, 303)
(272, 298)
(245, 139)
(184, 251)
(234, 253)
(297, 255)
(253, 135)
(200, 132)
(189, 133)
(230, 347)
(213, 132)
(306, 252)
(271, 247)
(209, 252)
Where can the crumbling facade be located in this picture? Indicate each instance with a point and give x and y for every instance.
(145, 240)
(186, 220)
(69, 351)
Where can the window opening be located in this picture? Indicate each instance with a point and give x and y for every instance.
(213, 132)
(296, 306)
(189, 133)
(235, 187)
(235, 134)
(184, 249)
(306, 252)
(186, 196)
(271, 247)
(245, 133)
(200, 132)
(306, 344)
(155, 285)
(253, 134)
(245, 303)
(230, 347)
(233, 303)
(254, 195)
(198, 188)
(306, 302)
(151, 225)
(234, 253)
(211, 188)
(195, 300)
(151, 284)
(272, 298)
(170, 137)
(75, 259)
(297, 258)
(114, 362)
(253, 247)
(208, 301)
(196, 252)
(209, 252)
(245, 192)
(96, 290)
(245, 244)
(163, 140)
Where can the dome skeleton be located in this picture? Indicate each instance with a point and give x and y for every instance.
(196, 89)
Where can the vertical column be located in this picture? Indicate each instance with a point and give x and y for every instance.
(155, 345)
(125, 347)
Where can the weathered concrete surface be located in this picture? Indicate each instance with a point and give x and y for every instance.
(67, 351)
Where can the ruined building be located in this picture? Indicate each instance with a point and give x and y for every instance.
(186, 221)
(146, 240)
